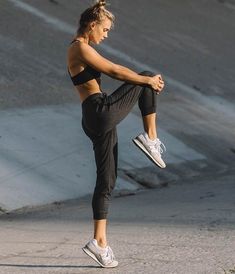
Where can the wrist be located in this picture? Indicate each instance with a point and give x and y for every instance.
(148, 80)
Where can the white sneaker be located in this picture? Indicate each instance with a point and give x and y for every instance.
(152, 149)
(103, 256)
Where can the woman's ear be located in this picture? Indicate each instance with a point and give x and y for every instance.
(92, 25)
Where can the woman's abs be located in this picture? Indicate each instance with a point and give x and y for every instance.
(87, 89)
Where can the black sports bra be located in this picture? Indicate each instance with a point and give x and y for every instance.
(84, 76)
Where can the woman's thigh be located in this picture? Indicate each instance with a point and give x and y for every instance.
(117, 105)
(124, 97)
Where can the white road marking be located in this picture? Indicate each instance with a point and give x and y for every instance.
(215, 103)
(58, 24)
(230, 6)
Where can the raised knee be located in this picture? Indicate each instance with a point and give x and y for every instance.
(147, 73)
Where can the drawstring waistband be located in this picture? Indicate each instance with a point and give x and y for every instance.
(92, 97)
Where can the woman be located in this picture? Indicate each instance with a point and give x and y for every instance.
(102, 112)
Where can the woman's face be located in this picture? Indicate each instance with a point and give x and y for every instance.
(100, 30)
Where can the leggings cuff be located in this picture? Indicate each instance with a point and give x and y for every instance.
(100, 216)
(148, 111)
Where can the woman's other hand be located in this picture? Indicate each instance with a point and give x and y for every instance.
(157, 83)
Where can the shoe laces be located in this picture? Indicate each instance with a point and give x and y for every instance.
(158, 147)
(108, 256)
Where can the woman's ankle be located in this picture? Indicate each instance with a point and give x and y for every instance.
(101, 242)
(152, 135)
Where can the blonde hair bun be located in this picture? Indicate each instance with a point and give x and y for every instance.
(101, 3)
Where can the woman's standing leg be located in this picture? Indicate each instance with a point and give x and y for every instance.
(106, 155)
(100, 232)
(105, 149)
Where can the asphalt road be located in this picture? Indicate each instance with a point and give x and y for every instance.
(187, 227)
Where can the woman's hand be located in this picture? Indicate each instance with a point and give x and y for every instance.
(157, 83)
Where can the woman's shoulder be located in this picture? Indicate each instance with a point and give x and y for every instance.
(76, 52)
(79, 46)
(84, 52)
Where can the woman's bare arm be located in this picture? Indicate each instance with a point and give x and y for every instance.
(91, 57)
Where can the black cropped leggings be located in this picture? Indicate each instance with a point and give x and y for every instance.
(100, 115)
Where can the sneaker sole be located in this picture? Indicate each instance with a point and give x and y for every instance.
(89, 253)
(139, 145)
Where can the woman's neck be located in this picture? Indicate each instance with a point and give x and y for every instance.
(82, 38)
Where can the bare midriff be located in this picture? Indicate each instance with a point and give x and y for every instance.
(88, 88)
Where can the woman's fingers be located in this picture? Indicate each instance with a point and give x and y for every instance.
(158, 83)
(160, 87)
